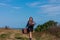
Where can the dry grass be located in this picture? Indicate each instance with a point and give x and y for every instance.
(11, 34)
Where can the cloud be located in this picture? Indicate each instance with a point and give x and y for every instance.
(6, 0)
(3, 4)
(17, 7)
(50, 10)
(39, 3)
(9, 6)
(33, 4)
(54, 1)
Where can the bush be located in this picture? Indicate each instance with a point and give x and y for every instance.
(18, 36)
(3, 35)
(21, 38)
(46, 26)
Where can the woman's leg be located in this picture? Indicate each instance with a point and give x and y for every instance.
(30, 35)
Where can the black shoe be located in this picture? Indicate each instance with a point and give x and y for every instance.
(30, 38)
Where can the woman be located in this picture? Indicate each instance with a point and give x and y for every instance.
(30, 26)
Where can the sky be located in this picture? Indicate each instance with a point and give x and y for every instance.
(15, 13)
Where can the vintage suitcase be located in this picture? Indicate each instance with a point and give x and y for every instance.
(25, 30)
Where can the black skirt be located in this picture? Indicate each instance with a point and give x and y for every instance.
(30, 29)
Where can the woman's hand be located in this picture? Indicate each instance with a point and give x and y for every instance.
(33, 23)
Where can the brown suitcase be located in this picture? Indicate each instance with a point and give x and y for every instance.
(24, 30)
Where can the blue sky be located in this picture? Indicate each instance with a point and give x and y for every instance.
(15, 13)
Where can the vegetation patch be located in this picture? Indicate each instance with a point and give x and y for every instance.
(3, 35)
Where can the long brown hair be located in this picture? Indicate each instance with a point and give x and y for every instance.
(30, 20)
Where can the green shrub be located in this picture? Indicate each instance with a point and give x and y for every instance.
(25, 38)
(21, 38)
(3, 35)
(46, 26)
(18, 37)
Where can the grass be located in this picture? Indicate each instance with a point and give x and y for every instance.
(17, 35)
(25, 38)
(3, 35)
(21, 38)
